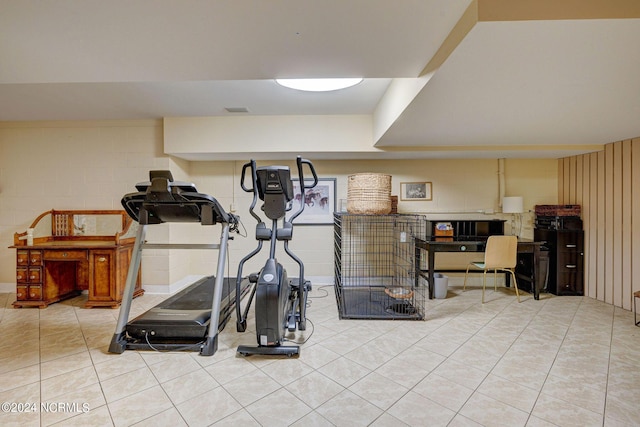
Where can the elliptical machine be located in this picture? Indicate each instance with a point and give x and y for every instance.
(280, 301)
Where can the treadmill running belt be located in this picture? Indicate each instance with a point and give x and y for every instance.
(185, 315)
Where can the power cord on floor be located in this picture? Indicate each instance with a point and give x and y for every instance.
(186, 347)
(326, 294)
(313, 328)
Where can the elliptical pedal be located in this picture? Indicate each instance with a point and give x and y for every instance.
(291, 324)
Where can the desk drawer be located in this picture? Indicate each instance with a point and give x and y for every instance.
(34, 293)
(569, 284)
(29, 257)
(34, 275)
(28, 275)
(22, 258)
(570, 240)
(21, 293)
(568, 261)
(35, 258)
(22, 275)
(66, 255)
(29, 293)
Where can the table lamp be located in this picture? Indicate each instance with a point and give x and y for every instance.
(513, 205)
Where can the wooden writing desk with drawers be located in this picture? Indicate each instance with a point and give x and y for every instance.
(72, 251)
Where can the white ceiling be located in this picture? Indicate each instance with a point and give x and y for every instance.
(538, 88)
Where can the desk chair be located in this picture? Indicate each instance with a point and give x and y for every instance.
(500, 255)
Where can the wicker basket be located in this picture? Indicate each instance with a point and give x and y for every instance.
(369, 193)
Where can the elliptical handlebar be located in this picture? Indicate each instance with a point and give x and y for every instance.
(252, 164)
(300, 161)
(253, 189)
(303, 186)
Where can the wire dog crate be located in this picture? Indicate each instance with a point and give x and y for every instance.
(375, 266)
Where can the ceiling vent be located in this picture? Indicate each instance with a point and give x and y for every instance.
(236, 109)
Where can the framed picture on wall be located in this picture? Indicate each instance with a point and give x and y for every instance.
(319, 202)
(416, 191)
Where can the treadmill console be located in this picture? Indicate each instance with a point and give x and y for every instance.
(161, 199)
(165, 176)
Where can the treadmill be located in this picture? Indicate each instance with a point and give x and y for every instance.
(191, 319)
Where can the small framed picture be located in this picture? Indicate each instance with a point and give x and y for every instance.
(416, 191)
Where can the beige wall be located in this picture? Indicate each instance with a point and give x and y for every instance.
(90, 165)
(75, 165)
(605, 185)
(461, 189)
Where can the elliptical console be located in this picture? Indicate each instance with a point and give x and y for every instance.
(280, 300)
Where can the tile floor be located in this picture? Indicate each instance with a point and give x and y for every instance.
(560, 361)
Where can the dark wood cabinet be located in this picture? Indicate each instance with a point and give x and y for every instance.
(566, 260)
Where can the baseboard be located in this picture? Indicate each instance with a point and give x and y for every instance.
(6, 288)
(180, 284)
(188, 280)
(150, 289)
(172, 288)
(320, 280)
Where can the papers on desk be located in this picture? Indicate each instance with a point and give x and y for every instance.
(443, 231)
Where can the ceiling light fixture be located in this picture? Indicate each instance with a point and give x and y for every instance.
(319, 85)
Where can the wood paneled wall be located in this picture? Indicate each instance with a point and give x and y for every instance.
(607, 186)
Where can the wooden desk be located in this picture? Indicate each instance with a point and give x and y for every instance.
(62, 264)
(535, 275)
